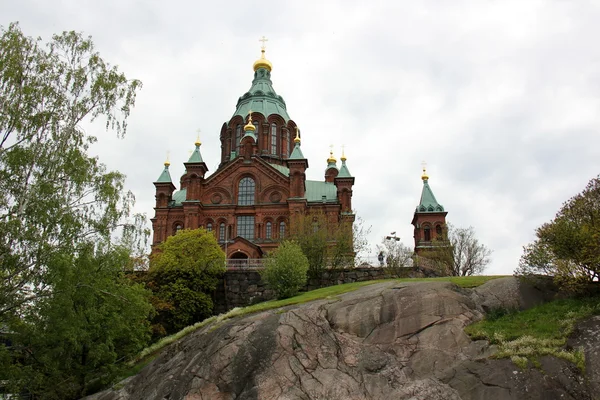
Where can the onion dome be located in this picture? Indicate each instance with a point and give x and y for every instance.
(262, 62)
(261, 97)
(297, 138)
(331, 161)
(249, 127)
(425, 177)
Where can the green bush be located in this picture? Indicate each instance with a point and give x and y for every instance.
(285, 270)
(184, 271)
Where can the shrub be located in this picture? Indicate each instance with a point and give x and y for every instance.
(184, 271)
(285, 269)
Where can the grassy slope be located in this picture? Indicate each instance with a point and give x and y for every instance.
(543, 330)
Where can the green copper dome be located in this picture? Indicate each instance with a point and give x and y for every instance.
(261, 98)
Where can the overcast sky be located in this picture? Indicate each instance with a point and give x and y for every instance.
(500, 98)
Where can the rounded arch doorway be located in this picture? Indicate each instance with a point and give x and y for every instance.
(238, 259)
(239, 255)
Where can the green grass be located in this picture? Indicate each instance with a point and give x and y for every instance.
(543, 330)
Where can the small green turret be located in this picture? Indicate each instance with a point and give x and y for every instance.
(165, 176)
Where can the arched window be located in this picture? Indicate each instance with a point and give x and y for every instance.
(246, 192)
(238, 137)
(222, 232)
(178, 227)
(281, 230)
(209, 226)
(438, 231)
(273, 138)
(427, 233)
(269, 233)
(255, 123)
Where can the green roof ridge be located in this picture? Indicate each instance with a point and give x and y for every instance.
(428, 202)
(261, 98)
(165, 176)
(196, 157)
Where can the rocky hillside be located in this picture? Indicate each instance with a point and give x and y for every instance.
(384, 341)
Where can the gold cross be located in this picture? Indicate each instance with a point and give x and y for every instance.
(263, 40)
(198, 136)
(249, 116)
(424, 165)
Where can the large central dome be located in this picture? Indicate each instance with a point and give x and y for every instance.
(261, 97)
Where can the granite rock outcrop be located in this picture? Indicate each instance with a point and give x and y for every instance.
(392, 340)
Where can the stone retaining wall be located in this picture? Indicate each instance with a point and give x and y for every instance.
(240, 288)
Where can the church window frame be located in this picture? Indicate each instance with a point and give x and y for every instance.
(209, 226)
(246, 191)
(282, 230)
(274, 138)
(269, 230)
(245, 226)
(426, 233)
(238, 137)
(438, 231)
(222, 231)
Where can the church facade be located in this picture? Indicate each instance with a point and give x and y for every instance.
(260, 184)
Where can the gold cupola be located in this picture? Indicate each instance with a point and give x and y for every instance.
(249, 126)
(425, 176)
(297, 138)
(331, 159)
(262, 62)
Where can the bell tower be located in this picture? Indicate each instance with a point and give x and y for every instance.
(429, 219)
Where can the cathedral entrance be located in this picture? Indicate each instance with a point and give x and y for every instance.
(239, 255)
(238, 259)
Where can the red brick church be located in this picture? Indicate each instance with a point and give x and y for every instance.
(259, 184)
